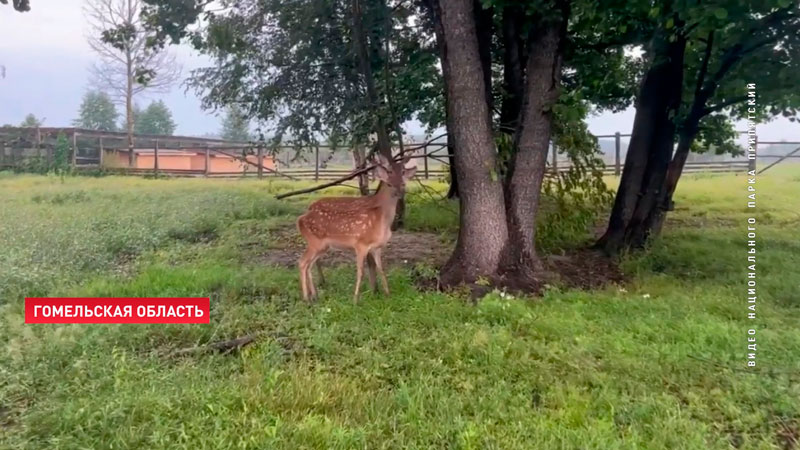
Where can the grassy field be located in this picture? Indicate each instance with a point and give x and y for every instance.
(659, 362)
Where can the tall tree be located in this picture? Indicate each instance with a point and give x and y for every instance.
(97, 112)
(127, 66)
(155, 119)
(344, 70)
(498, 193)
(700, 58)
(235, 125)
(31, 121)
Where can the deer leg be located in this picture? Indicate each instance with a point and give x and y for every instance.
(371, 272)
(376, 254)
(303, 266)
(312, 288)
(361, 254)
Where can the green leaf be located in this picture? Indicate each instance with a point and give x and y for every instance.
(721, 13)
(670, 23)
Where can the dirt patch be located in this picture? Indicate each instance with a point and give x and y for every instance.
(584, 269)
(579, 269)
(406, 248)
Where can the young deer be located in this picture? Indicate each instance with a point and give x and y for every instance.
(360, 223)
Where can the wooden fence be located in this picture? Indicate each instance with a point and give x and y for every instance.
(88, 150)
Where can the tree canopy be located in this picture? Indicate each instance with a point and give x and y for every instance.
(235, 125)
(31, 121)
(97, 112)
(155, 119)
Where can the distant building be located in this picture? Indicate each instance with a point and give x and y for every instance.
(187, 160)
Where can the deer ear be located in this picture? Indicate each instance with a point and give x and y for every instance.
(409, 173)
(381, 173)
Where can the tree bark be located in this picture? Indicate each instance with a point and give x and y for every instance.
(483, 233)
(129, 119)
(435, 14)
(514, 60)
(360, 161)
(531, 142)
(650, 148)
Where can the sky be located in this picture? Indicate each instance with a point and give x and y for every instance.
(47, 62)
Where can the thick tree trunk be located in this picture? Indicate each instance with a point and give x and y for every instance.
(484, 28)
(483, 233)
(650, 148)
(664, 204)
(531, 141)
(435, 13)
(514, 60)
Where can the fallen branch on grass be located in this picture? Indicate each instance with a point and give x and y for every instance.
(220, 346)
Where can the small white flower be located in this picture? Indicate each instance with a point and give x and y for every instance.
(646, 296)
(405, 261)
(623, 290)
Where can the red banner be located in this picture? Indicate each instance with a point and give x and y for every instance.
(117, 310)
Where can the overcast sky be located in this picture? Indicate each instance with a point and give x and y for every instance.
(47, 58)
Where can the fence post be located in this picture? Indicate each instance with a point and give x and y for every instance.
(752, 163)
(316, 163)
(425, 160)
(155, 159)
(101, 151)
(49, 150)
(260, 162)
(74, 149)
(617, 153)
(208, 161)
(555, 159)
(38, 142)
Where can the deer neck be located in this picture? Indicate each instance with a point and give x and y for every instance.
(386, 202)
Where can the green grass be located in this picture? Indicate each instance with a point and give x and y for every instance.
(658, 363)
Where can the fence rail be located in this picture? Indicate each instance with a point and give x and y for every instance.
(89, 150)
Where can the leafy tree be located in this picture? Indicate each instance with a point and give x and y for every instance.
(701, 59)
(155, 119)
(97, 112)
(31, 121)
(235, 126)
(126, 67)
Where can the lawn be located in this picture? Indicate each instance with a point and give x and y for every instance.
(656, 362)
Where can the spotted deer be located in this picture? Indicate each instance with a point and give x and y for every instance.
(359, 223)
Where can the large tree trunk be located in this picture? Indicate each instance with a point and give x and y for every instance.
(664, 204)
(514, 60)
(435, 13)
(650, 148)
(483, 233)
(531, 141)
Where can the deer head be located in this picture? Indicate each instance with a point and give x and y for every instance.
(394, 175)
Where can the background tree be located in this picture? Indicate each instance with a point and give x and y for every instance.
(31, 121)
(127, 66)
(155, 119)
(235, 125)
(339, 71)
(700, 58)
(97, 112)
